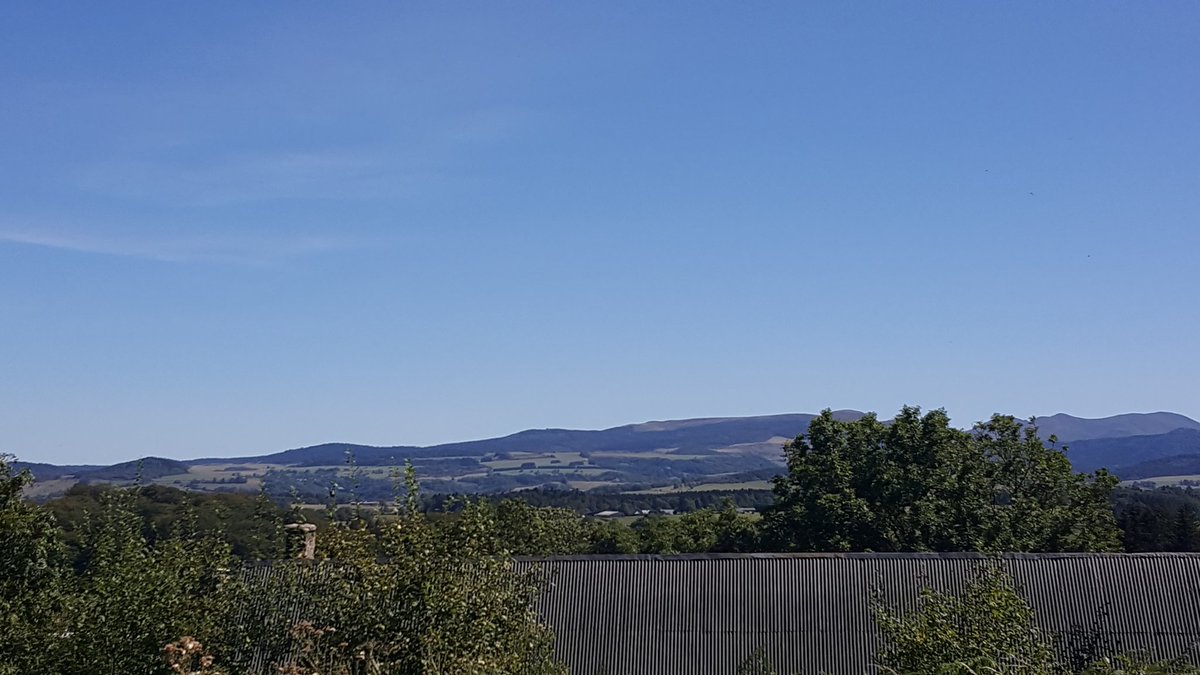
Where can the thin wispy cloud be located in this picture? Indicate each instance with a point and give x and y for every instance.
(189, 172)
(249, 249)
(243, 178)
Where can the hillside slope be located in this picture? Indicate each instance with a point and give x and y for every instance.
(1069, 428)
(1118, 453)
(695, 436)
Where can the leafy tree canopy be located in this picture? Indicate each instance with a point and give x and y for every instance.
(919, 484)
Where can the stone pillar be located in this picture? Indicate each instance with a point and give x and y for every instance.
(310, 539)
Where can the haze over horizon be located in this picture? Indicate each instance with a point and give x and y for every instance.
(230, 229)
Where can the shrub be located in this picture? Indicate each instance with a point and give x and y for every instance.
(440, 600)
(988, 628)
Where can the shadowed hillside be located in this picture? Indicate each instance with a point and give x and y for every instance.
(1119, 453)
(681, 436)
(1070, 429)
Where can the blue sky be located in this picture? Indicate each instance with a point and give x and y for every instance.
(231, 228)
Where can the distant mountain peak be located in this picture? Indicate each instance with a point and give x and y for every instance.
(1070, 428)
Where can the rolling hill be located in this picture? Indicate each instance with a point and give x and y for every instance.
(1070, 429)
(1177, 465)
(147, 468)
(667, 454)
(1119, 454)
(693, 436)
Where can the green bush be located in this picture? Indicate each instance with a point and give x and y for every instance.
(988, 628)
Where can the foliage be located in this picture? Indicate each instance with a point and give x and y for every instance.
(442, 599)
(1040, 504)
(757, 664)
(250, 524)
(133, 596)
(597, 500)
(532, 531)
(1166, 519)
(988, 628)
(702, 531)
(528, 530)
(130, 597)
(734, 532)
(613, 537)
(31, 558)
(918, 484)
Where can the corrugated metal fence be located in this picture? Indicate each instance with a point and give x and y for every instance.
(686, 615)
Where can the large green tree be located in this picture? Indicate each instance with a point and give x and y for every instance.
(530, 530)
(918, 484)
(701, 531)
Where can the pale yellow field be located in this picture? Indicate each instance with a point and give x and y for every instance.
(708, 487)
(1164, 480)
(48, 488)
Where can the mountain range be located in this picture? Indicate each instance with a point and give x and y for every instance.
(669, 454)
(1069, 429)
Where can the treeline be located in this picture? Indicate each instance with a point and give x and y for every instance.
(1165, 519)
(530, 530)
(548, 522)
(253, 526)
(629, 504)
(248, 524)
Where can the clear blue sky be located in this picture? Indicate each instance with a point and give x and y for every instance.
(231, 228)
